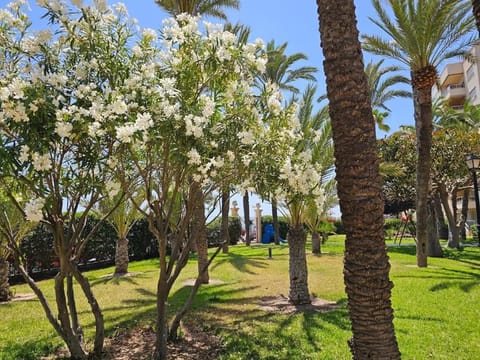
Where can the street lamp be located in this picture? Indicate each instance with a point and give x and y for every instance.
(473, 163)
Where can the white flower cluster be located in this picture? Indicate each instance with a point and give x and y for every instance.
(34, 210)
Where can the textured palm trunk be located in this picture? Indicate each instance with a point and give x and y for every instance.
(476, 13)
(366, 266)
(121, 256)
(423, 123)
(199, 231)
(316, 243)
(297, 261)
(4, 286)
(246, 216)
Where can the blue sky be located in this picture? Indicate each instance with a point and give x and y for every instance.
(294, 22)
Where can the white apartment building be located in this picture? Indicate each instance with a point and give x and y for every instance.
(459, 81)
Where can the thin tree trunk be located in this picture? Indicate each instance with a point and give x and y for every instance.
(366, 266)
(465, 200)
(246, 217)
(433, 246)
(453, 239)
(121, 256)
(276, 228)
(4, 286)
(72, 308)
(423, 123)
(199, 230)
(442, 226)
(160, 352)
(297, 261)
(225, 209)
(316, 243)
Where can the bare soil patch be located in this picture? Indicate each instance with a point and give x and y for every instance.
(139, 344)
(111, 276)
(281, 304)
(191, 282)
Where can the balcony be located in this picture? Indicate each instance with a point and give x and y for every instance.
(451, 74)
(454, 92)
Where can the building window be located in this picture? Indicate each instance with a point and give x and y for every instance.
(470, 72)
(472, 95)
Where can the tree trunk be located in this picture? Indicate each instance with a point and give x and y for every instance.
(476, 13)
(422, 97)
(121, 257)
(297, 261)
(442, 226)
(4, 286)
(465, 199)
(225, 209)
(316, 243)
(366, 266)
(453, 238)
(433, 246)
(246, 217)
(199, 230)
(276, 228)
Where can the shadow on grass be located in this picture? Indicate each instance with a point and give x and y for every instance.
(31, 350)
(117, 280)
(242, 263)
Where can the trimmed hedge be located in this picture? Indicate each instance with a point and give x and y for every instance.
(214, 231)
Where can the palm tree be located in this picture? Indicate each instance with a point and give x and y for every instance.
(382, 89)
(366, 267)
(281, 70)
(422, 35)
(476, 13)
(212, 8)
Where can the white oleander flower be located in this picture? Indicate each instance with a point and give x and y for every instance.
(41, 162)
(33, 210)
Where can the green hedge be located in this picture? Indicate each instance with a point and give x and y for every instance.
(214, 231)
(282, 225)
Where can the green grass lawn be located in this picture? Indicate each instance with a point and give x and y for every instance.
(437, 309)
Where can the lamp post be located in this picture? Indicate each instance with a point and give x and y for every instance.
(473, 163)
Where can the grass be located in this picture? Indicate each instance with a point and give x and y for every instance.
(436, 308)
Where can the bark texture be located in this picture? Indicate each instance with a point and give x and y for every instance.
(316, 243)
(225, 209)
(276, 227)
(423, 123)
(297, 261)
(4, 286)
(366, 266)
(121, 257)
(199, 231)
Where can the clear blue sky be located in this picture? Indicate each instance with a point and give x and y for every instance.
(294, 22)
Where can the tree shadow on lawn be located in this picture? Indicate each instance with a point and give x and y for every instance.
(30, 350)
(242, 262)
(117, 280)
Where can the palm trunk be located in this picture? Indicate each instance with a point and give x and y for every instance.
(121, 256)
(297, 261)
(199, 230)
(246, 217)
(225, 209)
(4, 286)
(423, 123)
(316, 243)
(276, 236)
(366, 266)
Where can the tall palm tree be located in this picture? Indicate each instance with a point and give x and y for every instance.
(366, 267)
(281, 70)
(212, 8)
(382, 82)
(421, 35)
